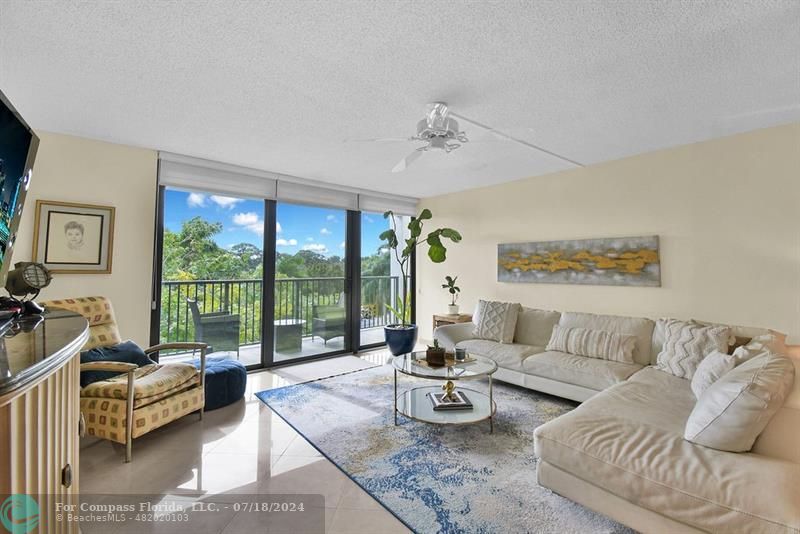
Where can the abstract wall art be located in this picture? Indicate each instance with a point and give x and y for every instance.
(616, 261)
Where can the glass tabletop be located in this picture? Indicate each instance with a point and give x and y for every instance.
(414, 364)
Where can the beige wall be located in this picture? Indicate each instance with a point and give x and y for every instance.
(727, 212)
(81, 170)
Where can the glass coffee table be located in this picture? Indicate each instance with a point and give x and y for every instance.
(415, 404)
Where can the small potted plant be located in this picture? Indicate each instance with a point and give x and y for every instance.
(435, 355)
(454, 290)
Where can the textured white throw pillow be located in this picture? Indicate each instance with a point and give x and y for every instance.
(735, 409)
(593, 343)
(496, 321)
(686, 343)
(711, 368)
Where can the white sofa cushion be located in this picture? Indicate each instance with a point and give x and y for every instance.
(686, 343)
(735, 409)
(496, 321)
(635, 326)
(506, 355)
(628, 441)
(593, 343)
(591, 373)
(535, 326)
(711, 368)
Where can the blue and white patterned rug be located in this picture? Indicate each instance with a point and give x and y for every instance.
(436, 478)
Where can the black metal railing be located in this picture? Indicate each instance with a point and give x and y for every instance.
(295, 298)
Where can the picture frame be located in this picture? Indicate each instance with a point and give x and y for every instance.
(73, 238)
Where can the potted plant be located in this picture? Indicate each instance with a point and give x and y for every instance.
(401, 337)
(454, 290)
(435, 355)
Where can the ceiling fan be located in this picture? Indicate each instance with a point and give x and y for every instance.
(440, 131)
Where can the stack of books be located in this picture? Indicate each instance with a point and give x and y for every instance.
(456, 401)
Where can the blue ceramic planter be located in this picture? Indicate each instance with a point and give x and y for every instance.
(400, 339)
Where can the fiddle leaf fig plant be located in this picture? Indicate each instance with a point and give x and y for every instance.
(452, 288)
(435, 241)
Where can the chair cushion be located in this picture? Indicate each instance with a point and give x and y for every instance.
(127, 352)
(628, 440)
(226, 381)
(508, 356)
(592, 373)
(151, 382)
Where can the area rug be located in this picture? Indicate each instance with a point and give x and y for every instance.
(436, 478)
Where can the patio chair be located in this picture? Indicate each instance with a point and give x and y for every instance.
(328, 321)
(220, 330)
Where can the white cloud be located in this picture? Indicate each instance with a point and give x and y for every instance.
(245, 219)
(316, 247)
(341, 245)
(325, 231)
(331, 218)
(286, 242)
(225, 202)
(310, 239)
(369, 219)
(278, 227)
(250, 221)
(196, 200)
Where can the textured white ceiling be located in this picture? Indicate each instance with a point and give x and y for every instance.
(281, 86)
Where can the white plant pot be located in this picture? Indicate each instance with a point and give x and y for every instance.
(452, 309)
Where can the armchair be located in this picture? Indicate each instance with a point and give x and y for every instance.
(139, 399)
(220, 330)
(327, 322)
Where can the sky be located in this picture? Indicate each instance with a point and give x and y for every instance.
(299, 227)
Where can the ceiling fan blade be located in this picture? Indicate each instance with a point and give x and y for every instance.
(406, 161)
(377, 140)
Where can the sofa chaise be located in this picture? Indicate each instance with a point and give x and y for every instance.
(622, 452)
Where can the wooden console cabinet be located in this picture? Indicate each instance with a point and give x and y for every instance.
(40, 412)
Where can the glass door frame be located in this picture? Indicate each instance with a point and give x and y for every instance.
(352, 286)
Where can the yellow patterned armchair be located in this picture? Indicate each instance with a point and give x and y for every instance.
(150, 396)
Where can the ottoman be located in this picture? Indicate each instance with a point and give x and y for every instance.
(225, 381)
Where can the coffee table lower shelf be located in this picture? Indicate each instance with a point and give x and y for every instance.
(415, 404)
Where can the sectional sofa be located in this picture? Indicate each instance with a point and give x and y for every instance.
(622, 451)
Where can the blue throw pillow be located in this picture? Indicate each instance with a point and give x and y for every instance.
(127, 352)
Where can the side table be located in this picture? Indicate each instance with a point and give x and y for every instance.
(441, 320)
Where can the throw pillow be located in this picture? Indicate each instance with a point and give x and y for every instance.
(496, 321)
(735, 409)
(757, 345)
(711, 368)
(127, 352)
(593, 343)
(686, 343)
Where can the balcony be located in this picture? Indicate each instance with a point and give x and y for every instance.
(309, 315)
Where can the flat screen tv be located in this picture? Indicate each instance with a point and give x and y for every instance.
(18, 146)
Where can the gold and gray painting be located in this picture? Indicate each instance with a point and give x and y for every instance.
(617, 261)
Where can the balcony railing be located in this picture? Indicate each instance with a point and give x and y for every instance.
(295, 298)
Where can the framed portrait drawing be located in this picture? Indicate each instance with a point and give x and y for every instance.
(73, 238)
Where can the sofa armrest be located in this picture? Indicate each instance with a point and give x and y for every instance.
(451, 334)
(118, 367)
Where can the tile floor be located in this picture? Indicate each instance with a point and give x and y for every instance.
(240, 449)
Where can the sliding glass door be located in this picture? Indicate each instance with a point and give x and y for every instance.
(311, 316)
(211, 273)
(269, 282)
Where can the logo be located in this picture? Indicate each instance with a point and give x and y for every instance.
(19, 514)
